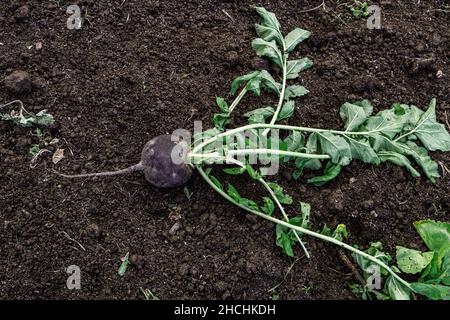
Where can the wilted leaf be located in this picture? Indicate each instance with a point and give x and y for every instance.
(58, 155)
(361, 150)
(294, 67)
(294, 38)
(259, 115)
(268, 207)
(294, 91)
(355, 114)
(332, 170)
(268, 50)
(399, 160)
(286, 111)
(333, 145)
(242, 79)
(396, 290)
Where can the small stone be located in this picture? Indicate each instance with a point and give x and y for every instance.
(232, 57)
(175, 228)
(18, 82)
(439, 74)
(137, 260)
(336, 200)
(368, 204)
(93, 230)
(183, 269)
(22, 13)
(38, 45)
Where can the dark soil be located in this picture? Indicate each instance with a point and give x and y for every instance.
(138, 69)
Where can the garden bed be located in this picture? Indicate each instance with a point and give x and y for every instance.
(136, 70)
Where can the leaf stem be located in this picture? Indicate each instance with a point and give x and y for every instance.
(283, 90)
(305, 231)
(237, 100)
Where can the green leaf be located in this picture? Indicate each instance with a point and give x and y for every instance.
(356, 114)
(304, 163)
(286, 111)
(294, 67)
(396, 290)
(432, 134)
(435, 234)
(341, 232)
(233, 193)
(268, 50)
(361, 150)
(254, 174)
(295, 141)
(399, 160)
(333, 145)
(294, 38)
(221, 120)
(259, 115)
(294, 91)
(249, 204)
(234, 171)
(268, 82)
(386, 122)
(375, 250)
(420, 155)
(268, 19)
(124, 265)
(279, 193)
(284, 240)
(268, 207)
(222, 104)
(43, 118)
(432, 291)
(268, 33)
(242, 79)
(305, 209)
(412, 261)
(332, 170)
(216, 182)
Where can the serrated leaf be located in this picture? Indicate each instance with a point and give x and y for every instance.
(268, 207)
(287, 110)
(295, 91)
(333, 145)
(356, 114)
(294, 67)
(294, 38)
(268, 50)
(279, 193)
(332, 170)
(412, 261)
(399, 160)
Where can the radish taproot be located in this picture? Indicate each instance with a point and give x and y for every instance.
(162, 161)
